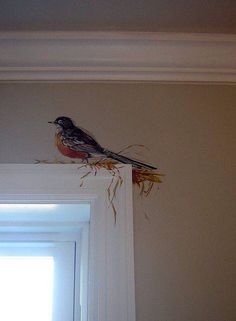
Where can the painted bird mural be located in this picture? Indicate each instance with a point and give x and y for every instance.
(74, 142)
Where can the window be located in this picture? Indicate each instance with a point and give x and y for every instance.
(26, 291)
(47, 218)
(30, 275)
(43, 266)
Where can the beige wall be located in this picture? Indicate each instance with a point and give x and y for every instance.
(184, 256)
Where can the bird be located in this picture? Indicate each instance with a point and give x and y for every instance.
(75, 142)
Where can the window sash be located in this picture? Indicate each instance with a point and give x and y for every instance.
(63, 254)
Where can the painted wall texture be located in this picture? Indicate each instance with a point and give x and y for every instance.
(185, 258)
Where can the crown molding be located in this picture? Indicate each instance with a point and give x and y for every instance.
(117, 56)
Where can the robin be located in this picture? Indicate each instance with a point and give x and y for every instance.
(74, 142)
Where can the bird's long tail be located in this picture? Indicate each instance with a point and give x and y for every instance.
(126, 160)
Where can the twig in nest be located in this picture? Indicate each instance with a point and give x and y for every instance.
(145, 179)
(116, 181)
(130, 147)
(55, 161)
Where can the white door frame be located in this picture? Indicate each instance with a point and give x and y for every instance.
(111, 295)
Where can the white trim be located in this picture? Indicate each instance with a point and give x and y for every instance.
(111, 257)
(117, 56)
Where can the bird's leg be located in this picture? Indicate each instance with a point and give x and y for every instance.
(84, 160)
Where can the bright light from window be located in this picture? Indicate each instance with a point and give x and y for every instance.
(27, 206)
(26, 288)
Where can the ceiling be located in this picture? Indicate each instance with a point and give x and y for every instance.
(217, 16)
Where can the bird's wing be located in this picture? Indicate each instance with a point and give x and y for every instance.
(77, 140)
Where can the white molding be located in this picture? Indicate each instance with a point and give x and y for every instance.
(111, 295)
(114, 56)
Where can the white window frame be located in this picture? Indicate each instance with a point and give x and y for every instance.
(111, 295)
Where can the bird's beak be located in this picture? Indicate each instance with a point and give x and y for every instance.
(51, 122)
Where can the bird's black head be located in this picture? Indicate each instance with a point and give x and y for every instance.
(63, 122)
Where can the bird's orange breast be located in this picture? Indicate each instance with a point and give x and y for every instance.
(67, 151)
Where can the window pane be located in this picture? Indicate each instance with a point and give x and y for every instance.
(26, 288)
